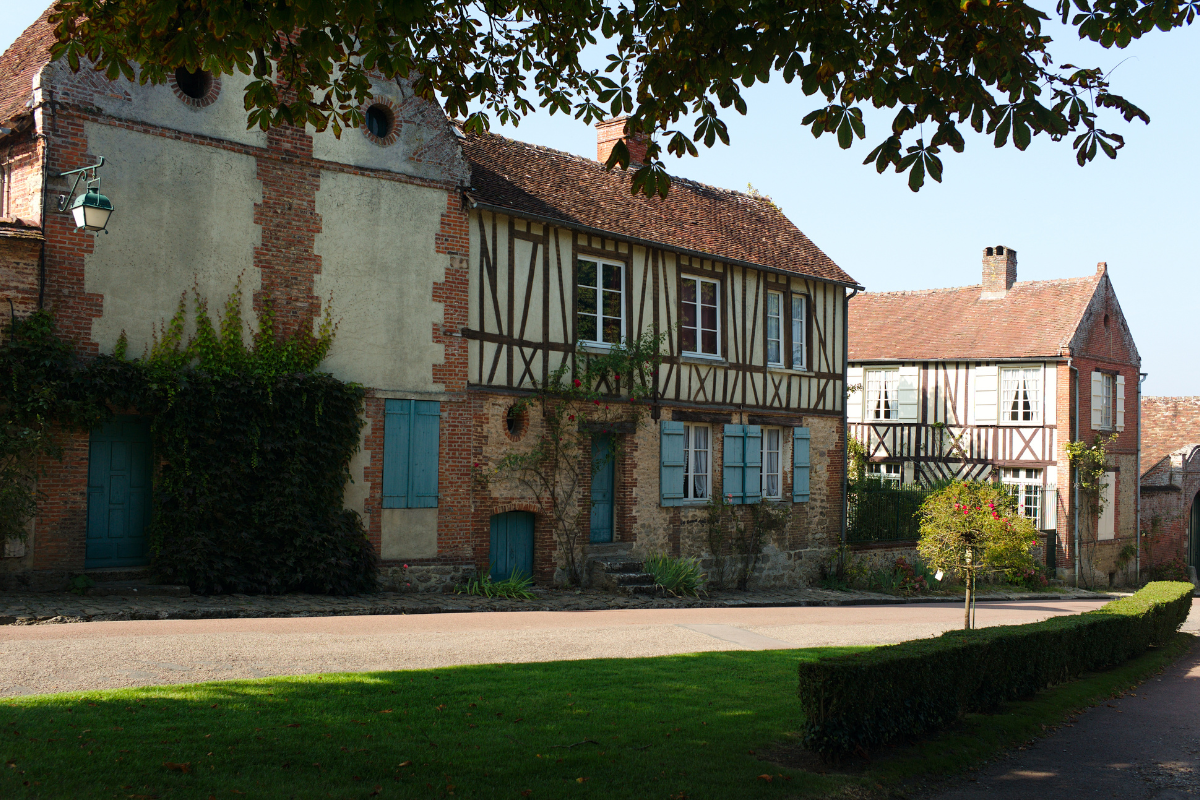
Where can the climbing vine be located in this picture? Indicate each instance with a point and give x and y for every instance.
(251, 444)
(589, 394)
(1090, 461)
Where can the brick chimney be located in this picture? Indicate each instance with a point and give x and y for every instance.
(611, 131)
(999, 271)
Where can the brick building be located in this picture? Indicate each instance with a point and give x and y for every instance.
(991, 381)
(1170, 483)
(461, 269)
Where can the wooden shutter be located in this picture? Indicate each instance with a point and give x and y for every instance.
(733, 472)
(854, 403)
(1119, 408)
(670, 471)
(752, 482)
(987, 391)
(423, 462)
(1097, 400)
(397, 445)
(801, 465)
(909, 399)
(1050, 508)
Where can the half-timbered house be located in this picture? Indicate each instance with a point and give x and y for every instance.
(462, 269)
(990, 382)
(749, 399)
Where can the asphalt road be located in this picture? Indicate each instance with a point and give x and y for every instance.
(103, 655)
(1143, 746)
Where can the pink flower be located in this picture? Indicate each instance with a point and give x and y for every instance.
(578, 383)
(571, 418)
(616, 377)
(597, 402)
(406, 566)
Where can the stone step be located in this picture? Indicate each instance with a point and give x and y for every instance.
(638, 589)
(136, 589)
(131, 575)
(618, 566)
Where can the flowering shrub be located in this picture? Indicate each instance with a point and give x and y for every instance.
(1028, 578)
(910, 581)
(971, 527)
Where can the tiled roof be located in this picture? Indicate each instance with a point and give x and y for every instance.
(20, 64)
(1034, 318)
(526, 178)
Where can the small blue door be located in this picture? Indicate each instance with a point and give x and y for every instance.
(512, 544)
(602, 489)
(119, 473)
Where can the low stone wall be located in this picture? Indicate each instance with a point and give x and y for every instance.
(424, 577)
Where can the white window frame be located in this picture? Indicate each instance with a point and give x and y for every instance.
(765, 472)
(881, 389)
(1025, 484)
(891, 471)
(778, 339)
(699, 329)
(1011, 383)
(799, 331)
(1108, 384)
(690, 472)
(600, 263)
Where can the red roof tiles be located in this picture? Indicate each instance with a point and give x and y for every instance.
(1035, 318)
(20, 65)
(539, 181)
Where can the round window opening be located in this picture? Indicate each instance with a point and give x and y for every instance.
(515, 421)
(194, 84)
(379, 121)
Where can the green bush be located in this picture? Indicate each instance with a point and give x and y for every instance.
(678, 576)
(857, 702)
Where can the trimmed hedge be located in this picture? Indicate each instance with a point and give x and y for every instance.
(858, 702)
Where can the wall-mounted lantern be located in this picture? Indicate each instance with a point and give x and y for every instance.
(90, 209)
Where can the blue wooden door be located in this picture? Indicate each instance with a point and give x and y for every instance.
(602, 489)
(512, 544)
(119, 473)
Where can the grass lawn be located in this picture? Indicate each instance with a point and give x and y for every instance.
(693, 726)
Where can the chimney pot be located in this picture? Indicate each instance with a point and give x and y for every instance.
(999, 271)
(611, 131)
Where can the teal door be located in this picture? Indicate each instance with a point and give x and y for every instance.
(602, 489)
(512, 544)
(119, 471)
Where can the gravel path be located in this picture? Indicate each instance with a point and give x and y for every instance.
(37, 659)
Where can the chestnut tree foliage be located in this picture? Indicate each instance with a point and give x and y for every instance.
(674, 67)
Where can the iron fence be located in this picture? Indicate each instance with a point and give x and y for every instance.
(882, 514)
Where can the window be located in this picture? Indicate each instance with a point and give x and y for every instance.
(379, 120)
(193, 84)
(883, 394)
(1021, 394)
(700, 332)
(799, 331)
(1106, 405)
(600, 306)
(410, 453)
(885, 472)
(1026, 486)
(772, 463)
(775, 329)
(696, 443)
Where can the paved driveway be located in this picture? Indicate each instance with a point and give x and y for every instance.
(101, 655)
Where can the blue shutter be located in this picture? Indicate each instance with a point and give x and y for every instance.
(671, 462)
(800, 465)
(733, 473)
(410, 453)
(752, 483)
(423, 469)
(397, 443)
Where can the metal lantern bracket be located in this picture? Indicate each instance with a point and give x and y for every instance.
(92, 187)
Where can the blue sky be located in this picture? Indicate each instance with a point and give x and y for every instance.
(1061, 219)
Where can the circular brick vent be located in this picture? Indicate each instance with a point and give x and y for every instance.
(198, 89)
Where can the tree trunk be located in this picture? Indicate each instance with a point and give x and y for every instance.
(970, 589)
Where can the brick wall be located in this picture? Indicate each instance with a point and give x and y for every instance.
(1168, 423)
(18, 274)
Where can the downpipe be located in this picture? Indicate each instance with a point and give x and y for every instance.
(845, 425)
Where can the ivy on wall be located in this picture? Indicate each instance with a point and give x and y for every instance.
(252, 444)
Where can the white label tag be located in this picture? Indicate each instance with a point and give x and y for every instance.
(938, 575)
